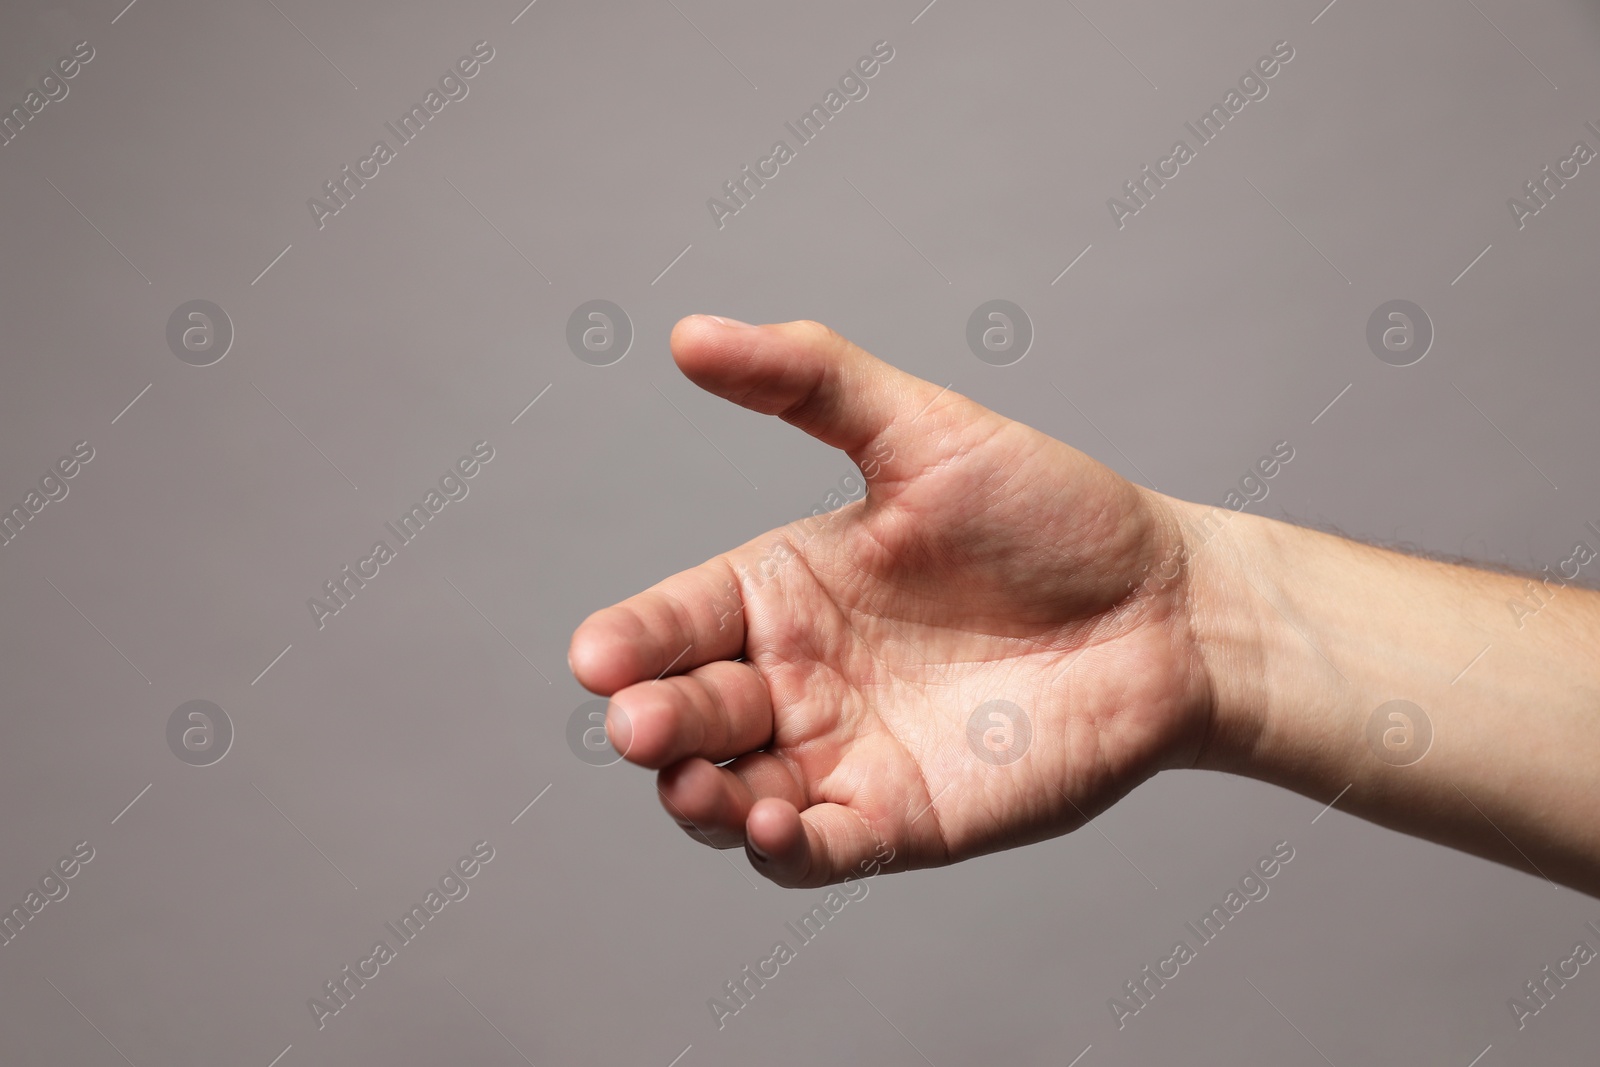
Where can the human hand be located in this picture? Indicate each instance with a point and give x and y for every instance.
(837, 661)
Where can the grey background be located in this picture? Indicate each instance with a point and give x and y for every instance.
(1224, 318)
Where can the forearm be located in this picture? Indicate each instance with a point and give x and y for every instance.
(1307, 635)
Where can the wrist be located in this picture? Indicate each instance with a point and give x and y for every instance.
(1222, 549)
(1338, 669)
(1260, 596)
(1304, 636)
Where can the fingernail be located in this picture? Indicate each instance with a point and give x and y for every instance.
(735, 323)
(618, 728)
(755, 850)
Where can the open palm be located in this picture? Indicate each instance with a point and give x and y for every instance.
(988, 649)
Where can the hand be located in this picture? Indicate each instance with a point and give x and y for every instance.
(837, 661)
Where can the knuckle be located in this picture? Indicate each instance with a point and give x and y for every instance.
(814, 333)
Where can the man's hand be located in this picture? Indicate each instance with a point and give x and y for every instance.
(847, 666)
(838, 661)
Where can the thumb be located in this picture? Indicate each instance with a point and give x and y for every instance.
(890, 423)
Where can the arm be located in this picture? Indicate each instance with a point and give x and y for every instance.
(1309, 634)
(1002, 637)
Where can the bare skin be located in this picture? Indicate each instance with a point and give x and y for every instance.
(837, 661)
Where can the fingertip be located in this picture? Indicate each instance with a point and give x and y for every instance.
(690, 790)
(689, 329)
(599, 660)
(697, 335)
(619, 730)
(776, 839)
(581, 658)
(703, 346)
(641, 727)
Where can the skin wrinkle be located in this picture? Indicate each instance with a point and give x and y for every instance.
(927, 790)
(827, 377)
(688, 825)
(814, 728)
(1122, 619)
(1200, 669)
(1074, 716)
(1099, 631)
(962, 455)
(887, 552)
(887, 728)
(683, 617)
(718, 714)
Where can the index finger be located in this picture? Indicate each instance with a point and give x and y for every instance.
(693, 618)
